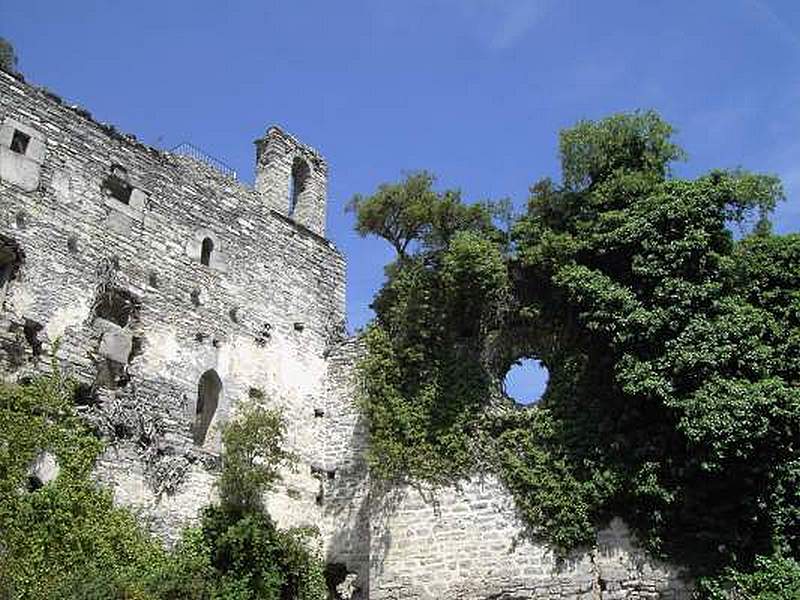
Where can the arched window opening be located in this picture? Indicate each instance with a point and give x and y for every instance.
(206, 250)
(208, 390)
(526, 381)
(300, 173)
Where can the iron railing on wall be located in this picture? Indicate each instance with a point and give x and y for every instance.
(192, 151)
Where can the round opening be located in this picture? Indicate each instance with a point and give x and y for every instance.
(526, 381)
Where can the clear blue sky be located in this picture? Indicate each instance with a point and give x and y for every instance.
(473, 90)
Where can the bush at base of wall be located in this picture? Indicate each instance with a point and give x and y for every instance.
(65, 538)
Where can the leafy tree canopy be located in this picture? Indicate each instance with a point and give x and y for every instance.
(8, 59)
(412, 211)
(673, 348)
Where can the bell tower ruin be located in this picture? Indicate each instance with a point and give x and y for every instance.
(292, 179)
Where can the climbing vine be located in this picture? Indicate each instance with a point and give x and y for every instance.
(673, 348)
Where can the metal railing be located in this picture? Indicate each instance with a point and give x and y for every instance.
(192, 151)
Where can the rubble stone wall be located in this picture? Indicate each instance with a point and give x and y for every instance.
(262, 314)
(465, 542)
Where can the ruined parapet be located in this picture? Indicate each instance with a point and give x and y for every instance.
(292, 179)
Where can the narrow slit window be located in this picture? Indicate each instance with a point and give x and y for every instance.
(19, 142)
(206, 250)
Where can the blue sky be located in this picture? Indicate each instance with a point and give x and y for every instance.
(473, 90)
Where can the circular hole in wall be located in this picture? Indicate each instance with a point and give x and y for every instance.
(526, 381)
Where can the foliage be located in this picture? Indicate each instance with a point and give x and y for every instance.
(67, 540)
(424, 402)
(56, 536)
(774, 578)
(592, 152)
(253, 457)
(412, 211)
(250, 555)
(8, 59)
(673, 350)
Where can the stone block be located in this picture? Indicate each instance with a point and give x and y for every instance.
(45, 468)
(116, 345)
(19, 169)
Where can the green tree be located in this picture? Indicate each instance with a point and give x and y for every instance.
(8, 59)
(253, 455)
(66, 539)
(673, 349)
(249, 557)
(412, 211)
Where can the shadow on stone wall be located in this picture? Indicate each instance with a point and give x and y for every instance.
(346, 504)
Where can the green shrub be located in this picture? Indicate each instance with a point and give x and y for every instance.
(56, 538)
(773, 578)
(67, 540)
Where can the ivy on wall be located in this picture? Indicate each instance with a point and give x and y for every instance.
(667, 314)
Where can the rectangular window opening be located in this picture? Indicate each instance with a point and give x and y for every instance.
(116, 184)
(118, 189)
(19, 142)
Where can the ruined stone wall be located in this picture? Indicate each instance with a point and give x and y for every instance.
(465, 542)
(262, 314)
(346, 493)
(468, 542)
(225, 285)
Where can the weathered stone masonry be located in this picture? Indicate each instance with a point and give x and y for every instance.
(176, 292)
(112, 237)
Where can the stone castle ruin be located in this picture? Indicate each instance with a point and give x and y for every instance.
(176, 292)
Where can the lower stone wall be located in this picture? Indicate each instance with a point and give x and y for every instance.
(467, 543)
(389, 542)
